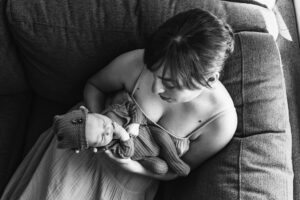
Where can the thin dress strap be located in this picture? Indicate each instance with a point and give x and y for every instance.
(136, 84)
(134, 100)
(213, 118)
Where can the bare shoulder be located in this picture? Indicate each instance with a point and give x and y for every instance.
(220, 112)
(217, 133)
(227, 120)
(222, 128)
(121, 72)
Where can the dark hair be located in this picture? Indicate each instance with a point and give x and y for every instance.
(192, 45)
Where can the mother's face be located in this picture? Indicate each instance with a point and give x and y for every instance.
(165, 87)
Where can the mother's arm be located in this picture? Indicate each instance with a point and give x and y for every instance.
(214, 138)
(118, 75)
(136, 168)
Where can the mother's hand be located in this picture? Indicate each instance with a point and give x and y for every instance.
(117, 159)
(135, 167)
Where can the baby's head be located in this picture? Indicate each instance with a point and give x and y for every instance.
(99, 130)
(80, 129)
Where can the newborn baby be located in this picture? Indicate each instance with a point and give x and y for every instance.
(142, 141)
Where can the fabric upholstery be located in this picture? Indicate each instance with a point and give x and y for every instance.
(290, 51)
(249, 17)
(12, 77)
(257, 86)
(40, 118)
(13, 122)
(14, 102)
(257, 163)
(64, 43)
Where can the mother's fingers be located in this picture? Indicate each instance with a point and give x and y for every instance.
(116, 159)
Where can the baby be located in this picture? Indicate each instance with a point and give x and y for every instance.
(142, 141)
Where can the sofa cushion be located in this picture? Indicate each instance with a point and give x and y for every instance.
(241, 16)
(249, 17)
(63, 43)
(257, 163)
(41, 118)
(14, 111)
(12, 76)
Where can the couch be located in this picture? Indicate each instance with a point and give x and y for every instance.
(50, 48)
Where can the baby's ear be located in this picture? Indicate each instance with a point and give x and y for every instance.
(55, 121)
(84, 108)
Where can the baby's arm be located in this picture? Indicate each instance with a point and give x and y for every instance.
(168, 152)
(137, 118)
(125, 147)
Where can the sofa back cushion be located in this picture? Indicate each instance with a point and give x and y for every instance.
(12, 76)
(63, 43)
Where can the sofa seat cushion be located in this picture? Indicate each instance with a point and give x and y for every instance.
(63, 43)
(14, 111)
(257, 163)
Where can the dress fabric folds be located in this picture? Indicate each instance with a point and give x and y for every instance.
(48, 173)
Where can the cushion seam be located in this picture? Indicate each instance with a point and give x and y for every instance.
(243, 117)
(240, 170)
(242, 85)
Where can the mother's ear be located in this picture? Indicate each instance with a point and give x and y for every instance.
(213, 78)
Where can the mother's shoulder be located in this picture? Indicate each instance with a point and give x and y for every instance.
(222, 111)
(133, 56)
(214, 99)
(128, 66)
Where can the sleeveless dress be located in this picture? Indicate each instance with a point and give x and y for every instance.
(48, 173)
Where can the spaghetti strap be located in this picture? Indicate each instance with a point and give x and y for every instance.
(137, 104)
(213, 118)
(137, 81)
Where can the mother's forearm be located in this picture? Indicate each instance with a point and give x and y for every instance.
(137, 168)
(93, 98)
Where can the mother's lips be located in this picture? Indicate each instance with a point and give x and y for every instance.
(165, 98)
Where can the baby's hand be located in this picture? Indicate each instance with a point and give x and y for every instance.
(120, 132)
(133, 129)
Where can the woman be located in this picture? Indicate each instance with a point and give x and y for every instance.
(174, 81)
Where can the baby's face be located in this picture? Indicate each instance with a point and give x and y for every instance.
(98, 130)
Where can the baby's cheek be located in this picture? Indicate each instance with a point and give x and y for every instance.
(91, 137)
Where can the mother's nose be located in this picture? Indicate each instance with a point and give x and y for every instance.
(157, 86)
